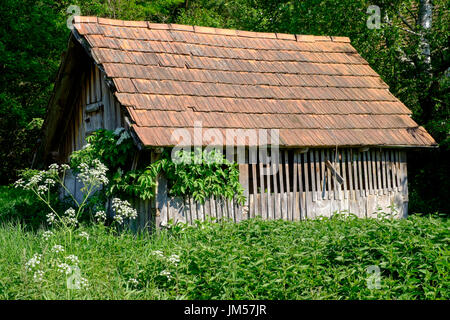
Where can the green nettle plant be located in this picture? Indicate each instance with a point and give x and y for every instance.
(201, 174)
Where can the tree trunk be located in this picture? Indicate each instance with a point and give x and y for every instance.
(425, 19)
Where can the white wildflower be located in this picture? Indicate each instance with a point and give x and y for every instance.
(73, 259)
(123, 210)
(84, 282)
(84, 234)
(69, 217)
(51, 218)
(133, 281)
(57, 248)
(47, 234)
(158, 253)
(50, 182)
(33, 262)
(174, 259)
(65, 167)
(165, 273)
(53, 166)
(19, 183)
(100, 216)
(42, 189)
(64, 268)
(38, 276)
(94, 174)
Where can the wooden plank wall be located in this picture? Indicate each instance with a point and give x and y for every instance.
(97, 108)
(301, 186)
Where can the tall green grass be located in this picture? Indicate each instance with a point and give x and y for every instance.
(322, 259)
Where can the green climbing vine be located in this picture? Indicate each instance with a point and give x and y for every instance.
(200, 175)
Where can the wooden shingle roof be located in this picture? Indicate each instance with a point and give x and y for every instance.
(318, 91)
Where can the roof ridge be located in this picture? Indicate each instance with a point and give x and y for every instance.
(209, 30)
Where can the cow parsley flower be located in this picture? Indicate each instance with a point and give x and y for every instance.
(69, 217)
(84, 234)
(123, 210)
(100, 216)
(94, 174)
(57, 248)
(47, 235)
(51, 218)
(38, 276)
(158, 253)
(64, 268)
(33, 262)
(166, 273)
(174, 259)
(73, 259)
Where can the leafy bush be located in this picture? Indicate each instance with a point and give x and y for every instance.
(22, 205)
(254, 259)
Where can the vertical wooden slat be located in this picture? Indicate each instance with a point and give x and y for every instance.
(277, 199)
(366, 174)
(362, 188)
(294, 213)
(394, 171)
(398, 169)
(323, 174)
(244, 181)
(329, 178)
(378, 168)
(388, 170)
(317, 174)
(263, 204)
(313, 175)
(404, 182)
(269, 191)
(344, 172)
(254, 208)
(283, 203)
(384, 171)
(301, 204)
(350, 169)
(369, 171)
(335, 157)
(288, 187)
(307, 194)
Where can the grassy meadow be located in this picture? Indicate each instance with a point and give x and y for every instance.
(338, 258)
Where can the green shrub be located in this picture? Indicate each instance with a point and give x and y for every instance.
(21, 205)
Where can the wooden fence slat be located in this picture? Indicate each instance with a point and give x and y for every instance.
(288, 187)
(254, 208)
(277, 200)
(301, 204)
(307, 194)
(389, 171)
(344, 172)
(329, 178)
(269, 191)
(294, 213)
(378, 168)
(398, 169)
(282, 193)
(263, 204)
(313, 175)
(350, 169)
(383, 171)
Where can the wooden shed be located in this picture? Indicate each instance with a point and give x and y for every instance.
(342, 135)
